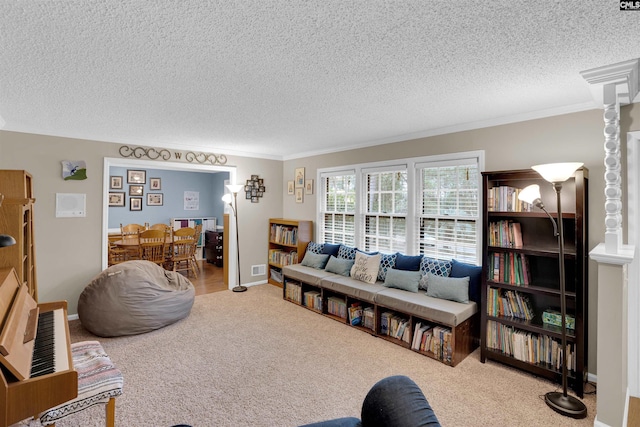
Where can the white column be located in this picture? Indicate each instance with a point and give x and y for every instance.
(612, 86)
(613, 390)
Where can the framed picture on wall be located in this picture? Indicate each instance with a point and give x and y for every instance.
(299, 195)
(136, 190)
(116, 198)
(136, 177)
(154, 199)
(154, 184)
(115, 182)
(135, 203)
(299, 177)
(290, 188)
(308, 186)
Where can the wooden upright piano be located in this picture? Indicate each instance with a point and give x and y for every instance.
(36, 367)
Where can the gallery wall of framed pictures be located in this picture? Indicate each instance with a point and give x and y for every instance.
(300, 186)
(254, 189)
(156, 196)
(136, 181)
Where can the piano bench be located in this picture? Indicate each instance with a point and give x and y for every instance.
(99, 381)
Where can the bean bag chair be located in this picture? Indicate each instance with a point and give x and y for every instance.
(134, 297)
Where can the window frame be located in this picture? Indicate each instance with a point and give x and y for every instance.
(412, 166)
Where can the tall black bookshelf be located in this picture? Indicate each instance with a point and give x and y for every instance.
(521, 293)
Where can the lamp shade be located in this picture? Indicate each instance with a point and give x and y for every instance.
(556, 172)
(227, 198)
(6, 240)
(530, 193)
(234, 188)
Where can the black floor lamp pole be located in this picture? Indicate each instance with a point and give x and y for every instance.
(239, 287)
(556, 174)
(562, 402)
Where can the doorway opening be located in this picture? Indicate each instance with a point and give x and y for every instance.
(171, 166)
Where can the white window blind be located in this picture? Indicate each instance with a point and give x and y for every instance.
(423, 205)
(338, 208)
(385, 218)
(448, 213)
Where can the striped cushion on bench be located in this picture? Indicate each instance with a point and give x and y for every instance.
(98, 381)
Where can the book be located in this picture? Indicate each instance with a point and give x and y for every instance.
(355, 314)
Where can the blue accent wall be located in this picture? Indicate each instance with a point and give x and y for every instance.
(209, 185)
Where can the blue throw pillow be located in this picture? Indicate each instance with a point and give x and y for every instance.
(402, 279)
(339, 266)
(450, 288)
(315, 260)
(347, 252)
(331, 249)
(314, 247)
(473, 272)
(408, 262)
(386, 262)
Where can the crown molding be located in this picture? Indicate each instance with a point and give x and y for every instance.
(624, 75)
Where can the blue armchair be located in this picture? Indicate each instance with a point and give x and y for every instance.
(395, 401)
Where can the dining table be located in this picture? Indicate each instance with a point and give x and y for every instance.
(134, 242)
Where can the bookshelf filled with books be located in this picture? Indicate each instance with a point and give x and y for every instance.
(288, 240)
(521, 291)
(420, 335)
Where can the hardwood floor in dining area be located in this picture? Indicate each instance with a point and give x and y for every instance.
(210, 279)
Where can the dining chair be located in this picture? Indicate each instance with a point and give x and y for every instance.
(183, 250)
(152, 246)
(196, 243)
(167, 230)
(116, 254)
(131, 231)
(160, 226)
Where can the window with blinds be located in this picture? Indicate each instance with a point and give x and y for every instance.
(339, 208)
(448, 214)
(423, 205)
(385, 219)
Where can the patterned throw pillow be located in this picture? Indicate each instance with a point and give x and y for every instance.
(387, 261)
(347, 252)
(314, 247)
(365, 267)
(433, 266)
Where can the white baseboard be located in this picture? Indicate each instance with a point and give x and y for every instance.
(259, 282)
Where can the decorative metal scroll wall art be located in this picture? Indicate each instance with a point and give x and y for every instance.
(164, 154)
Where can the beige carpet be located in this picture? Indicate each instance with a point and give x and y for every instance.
(252, 359)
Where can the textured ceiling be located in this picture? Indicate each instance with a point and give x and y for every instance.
(282, 78)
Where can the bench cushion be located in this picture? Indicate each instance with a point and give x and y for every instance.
(352, 287)
(304, 274)
(441, 311)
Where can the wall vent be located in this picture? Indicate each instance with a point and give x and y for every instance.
(258, 270)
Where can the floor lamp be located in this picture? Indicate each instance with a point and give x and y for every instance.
(5, 239)
(234, 189)
(556, 174)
